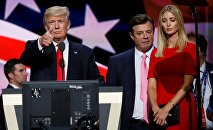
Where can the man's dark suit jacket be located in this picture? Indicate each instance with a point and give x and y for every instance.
(209, 68)
(81, 62)
(2, 118)
(121, 72)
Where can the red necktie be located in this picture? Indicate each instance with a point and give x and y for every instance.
(144, 85)
(59, 66)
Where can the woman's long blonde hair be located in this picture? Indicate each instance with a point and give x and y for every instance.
(162, 39)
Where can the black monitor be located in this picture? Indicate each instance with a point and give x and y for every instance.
(63, 105)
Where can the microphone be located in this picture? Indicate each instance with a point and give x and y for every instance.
(61, 47)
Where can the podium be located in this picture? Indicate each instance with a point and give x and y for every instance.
(109, 102)
(12, 101)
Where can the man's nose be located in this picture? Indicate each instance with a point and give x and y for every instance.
(56, 25)
(145, 35)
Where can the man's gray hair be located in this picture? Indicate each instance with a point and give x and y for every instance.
(56, 11)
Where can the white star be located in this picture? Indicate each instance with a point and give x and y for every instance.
(93, 32)
(11, 5)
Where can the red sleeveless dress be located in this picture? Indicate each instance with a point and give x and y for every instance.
(169, 72)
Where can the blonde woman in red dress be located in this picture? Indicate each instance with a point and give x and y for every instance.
(171, 72)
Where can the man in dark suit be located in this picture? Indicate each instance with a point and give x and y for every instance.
(206, 76)
(209, 111)
(16, 74)
(41, 54)
(125, 70)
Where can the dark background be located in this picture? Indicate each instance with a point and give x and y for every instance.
(104, 10)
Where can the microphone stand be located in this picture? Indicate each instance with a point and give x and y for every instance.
(194, 15)
(62, 66)
(61, 47)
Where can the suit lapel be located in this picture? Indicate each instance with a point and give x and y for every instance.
(129, 70)
(52, 52)
(73, 56)
(9, 86)
(130, 67)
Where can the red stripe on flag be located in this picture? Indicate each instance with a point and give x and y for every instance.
(10, 48)
(103, 71)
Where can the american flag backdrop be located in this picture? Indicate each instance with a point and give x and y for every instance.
(99, 24)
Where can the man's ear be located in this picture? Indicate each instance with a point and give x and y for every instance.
(46, 28)
(10, 75)
(69, 24)
(131, 35)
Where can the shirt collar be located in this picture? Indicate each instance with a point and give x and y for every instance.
(14, 86)
(139, 53)
(202, 68)
(65, 42)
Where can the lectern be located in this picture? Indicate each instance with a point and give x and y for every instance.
(60, 105)
(12, 101)
(63, 105)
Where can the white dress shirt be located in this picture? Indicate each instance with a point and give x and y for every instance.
(65, 53)
(138, 106)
